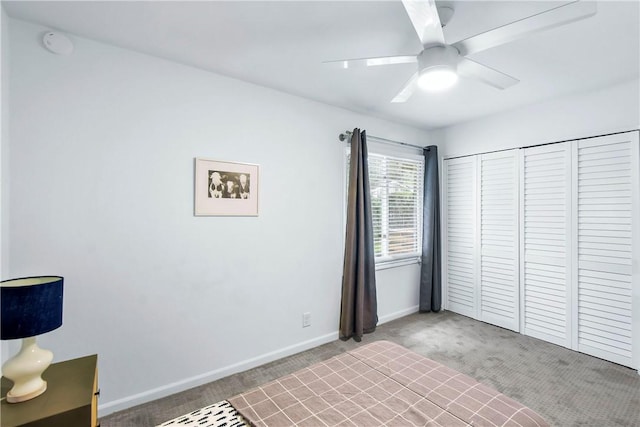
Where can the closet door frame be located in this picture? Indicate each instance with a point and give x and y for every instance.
(573, 173)
(444, 232)
(635, 242)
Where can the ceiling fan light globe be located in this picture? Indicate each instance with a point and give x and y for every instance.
(437, 79)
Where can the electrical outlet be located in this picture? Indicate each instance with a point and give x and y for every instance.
(306, 319)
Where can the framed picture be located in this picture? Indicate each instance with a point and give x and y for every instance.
(226, 188)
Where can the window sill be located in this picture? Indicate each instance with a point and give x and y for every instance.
(384, 265)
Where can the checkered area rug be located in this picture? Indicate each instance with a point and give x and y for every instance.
(381, 384)
(220, 414)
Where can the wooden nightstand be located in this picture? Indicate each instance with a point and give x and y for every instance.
(71, 399)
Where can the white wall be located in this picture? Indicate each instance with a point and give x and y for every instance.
(398, 292)
(4, 146)
(4, 155)
(612, 109)
(102, 162)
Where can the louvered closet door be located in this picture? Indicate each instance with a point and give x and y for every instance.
(606, 176)
(499, 293)
(460, 228)
(545, 235)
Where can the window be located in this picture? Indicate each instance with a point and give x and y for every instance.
(396, 203)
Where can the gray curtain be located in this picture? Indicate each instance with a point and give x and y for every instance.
(430, 285)
(359, 307)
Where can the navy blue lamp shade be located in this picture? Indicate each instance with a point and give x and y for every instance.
(30, 306)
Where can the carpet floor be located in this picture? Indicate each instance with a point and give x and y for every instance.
(565, 387)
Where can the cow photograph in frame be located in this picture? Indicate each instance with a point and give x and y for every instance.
(225, 188)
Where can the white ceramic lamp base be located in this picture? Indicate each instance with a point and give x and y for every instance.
(25, 370)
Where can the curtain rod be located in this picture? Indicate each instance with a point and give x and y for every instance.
(347, 134)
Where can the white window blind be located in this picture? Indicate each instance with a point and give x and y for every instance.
(396, 203)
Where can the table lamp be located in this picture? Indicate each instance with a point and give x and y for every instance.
(30, 306)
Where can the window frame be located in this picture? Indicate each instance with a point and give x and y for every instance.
(390, 261)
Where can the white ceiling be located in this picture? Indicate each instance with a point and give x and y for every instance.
(281, 45)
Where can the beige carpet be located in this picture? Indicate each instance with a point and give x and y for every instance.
(565, 387)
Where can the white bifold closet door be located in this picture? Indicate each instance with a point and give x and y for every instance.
(605, 203)
(460, 242)
(498, 185)
(545, 243)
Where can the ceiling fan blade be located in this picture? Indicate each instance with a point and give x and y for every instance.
(371, 62)
(477, 71)
(407, 90)
(425, 20)
(540, 22)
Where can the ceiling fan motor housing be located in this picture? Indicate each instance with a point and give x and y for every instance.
(444, 57)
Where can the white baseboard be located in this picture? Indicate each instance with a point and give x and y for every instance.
(398, 314)
(188, 383)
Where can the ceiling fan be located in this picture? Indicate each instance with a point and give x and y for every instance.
(439, 63)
